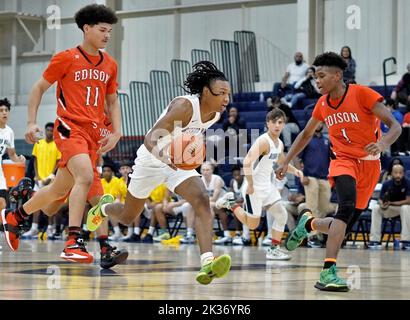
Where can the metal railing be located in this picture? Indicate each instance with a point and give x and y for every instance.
(248, 59)
(385, 74)
(179, 72)
(200, 55)
(162, 91)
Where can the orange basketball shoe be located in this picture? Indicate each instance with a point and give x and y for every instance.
(75, 251)
(12, 229)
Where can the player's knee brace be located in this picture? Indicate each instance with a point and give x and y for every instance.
(280, 216)
(345, 211)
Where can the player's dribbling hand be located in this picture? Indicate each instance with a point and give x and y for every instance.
(33, 133)
(281, 171)
(108, 143)
(375, 148)
(22, 158)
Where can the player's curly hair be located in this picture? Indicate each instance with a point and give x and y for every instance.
(330, 59)
(94, 14)
(5, 102)
(204, 72)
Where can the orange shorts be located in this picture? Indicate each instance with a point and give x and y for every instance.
(73, 138)
(365, 172)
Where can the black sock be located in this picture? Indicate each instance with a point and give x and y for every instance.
(103, 241)
(329, 263)
(308, 225)
(74, 232)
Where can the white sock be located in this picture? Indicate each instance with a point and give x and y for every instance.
(189, 231)
(85, 227)
(151, 230)
(137, 230)
(206, 258)
(130, 231)
(117, 230)
(34, 226)
(245, 232)
(103, 209)
(227, 233)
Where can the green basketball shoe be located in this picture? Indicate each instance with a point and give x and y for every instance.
(218, 268)
(295, 238)
(330, 281)
(95, 217)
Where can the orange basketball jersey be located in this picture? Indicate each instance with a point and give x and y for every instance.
(350, 120)
(82, 83)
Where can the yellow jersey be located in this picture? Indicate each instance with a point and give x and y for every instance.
(158, 194)
(47, 155)
(123, 189)
(113, 187)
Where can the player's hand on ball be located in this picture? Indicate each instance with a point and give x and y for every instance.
(33, 133)
(249, 189)
(281, 171)
(22, 158)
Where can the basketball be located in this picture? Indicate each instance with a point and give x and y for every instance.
(187, 151)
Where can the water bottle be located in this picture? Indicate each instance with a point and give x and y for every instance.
(261, 97)
(396, 244)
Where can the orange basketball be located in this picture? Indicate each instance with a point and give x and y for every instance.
(187, 151)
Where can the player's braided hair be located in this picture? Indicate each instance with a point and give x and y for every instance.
(203, 73)
(94, 14)
(330, 59)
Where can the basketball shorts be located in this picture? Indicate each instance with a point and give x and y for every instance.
(365, 172)
(261, 197)
(148, 172)
(74, 138)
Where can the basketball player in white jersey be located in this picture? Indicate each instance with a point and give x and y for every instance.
(259, 165)
(6, 144)
(194, 113)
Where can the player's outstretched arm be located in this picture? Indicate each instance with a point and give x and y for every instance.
(34, 101)
(178, 115)
(391, 136)
(298, 145)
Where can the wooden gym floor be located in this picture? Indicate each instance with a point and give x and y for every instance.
(168, 272)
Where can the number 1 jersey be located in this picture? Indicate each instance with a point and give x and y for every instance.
(352, 124)
(83, 81)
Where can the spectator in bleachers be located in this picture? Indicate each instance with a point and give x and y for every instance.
(315, 159)
(392, 106)
(291, 127)
(294, 72)
(349, 74)
(304, 88)
(401, 94)
(294, 204)
(394, 201)
(387, 174)
(234, 122)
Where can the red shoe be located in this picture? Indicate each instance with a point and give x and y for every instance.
(75, 251)
(12, 229)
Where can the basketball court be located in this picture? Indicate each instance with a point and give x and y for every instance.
(168, 273)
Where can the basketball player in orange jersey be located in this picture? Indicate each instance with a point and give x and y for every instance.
(86, 81)
(192, 114)
(352, 114)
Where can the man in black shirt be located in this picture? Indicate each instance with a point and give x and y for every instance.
(394, 201)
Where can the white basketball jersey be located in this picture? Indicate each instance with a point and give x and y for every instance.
(194, 127)
(239, 191)
(266, 164)
(211, 186)
(6, 141)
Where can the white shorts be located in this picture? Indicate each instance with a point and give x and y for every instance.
(255, 202)
(148, 172)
